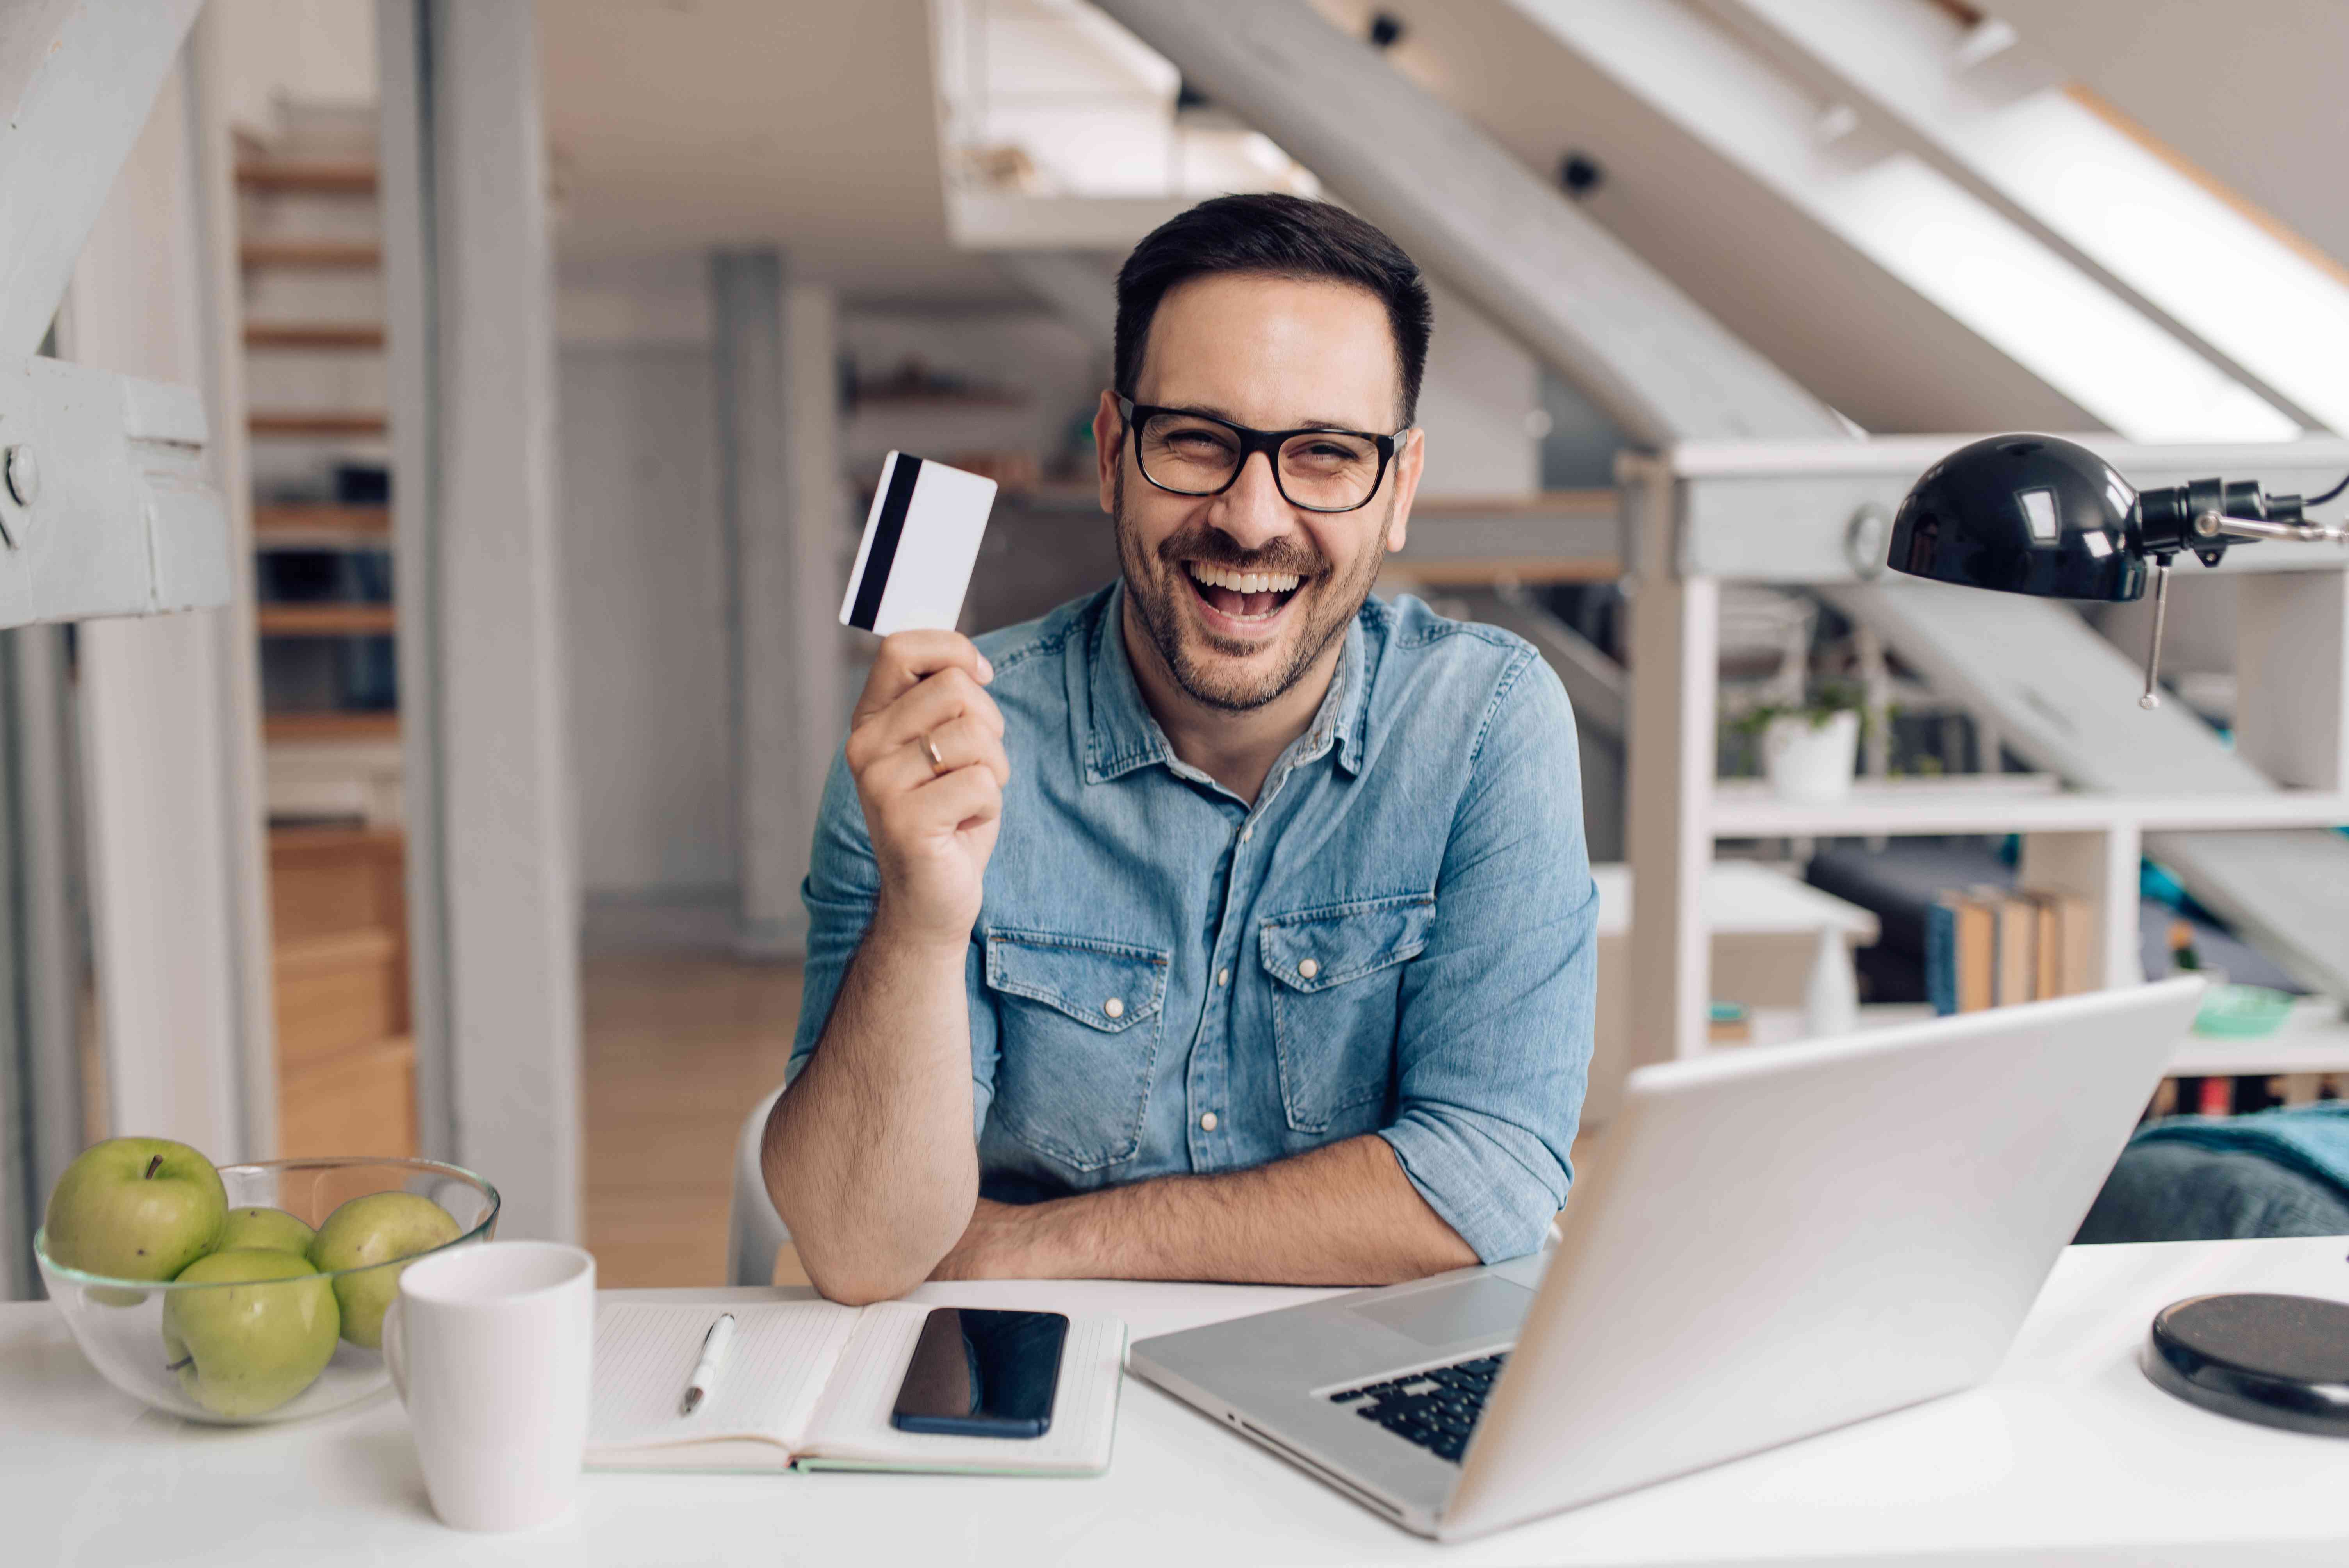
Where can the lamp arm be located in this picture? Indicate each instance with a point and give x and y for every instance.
(2211, 525)
(2152, 698)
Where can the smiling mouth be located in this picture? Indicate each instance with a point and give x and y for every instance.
(1242, 595)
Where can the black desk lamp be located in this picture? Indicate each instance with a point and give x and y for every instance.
(2035, 514)
(2039, 515)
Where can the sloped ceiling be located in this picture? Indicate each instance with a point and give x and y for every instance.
(2255, 92)
(674, 125)
(1855, 335)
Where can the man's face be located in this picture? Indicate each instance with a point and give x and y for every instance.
(1241, 591)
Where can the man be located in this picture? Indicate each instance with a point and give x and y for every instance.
(1229, 924)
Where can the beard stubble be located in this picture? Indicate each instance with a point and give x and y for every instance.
(1152, 578)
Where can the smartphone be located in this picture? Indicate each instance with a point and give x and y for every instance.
(980, 1374)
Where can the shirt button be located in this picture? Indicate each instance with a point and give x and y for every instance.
(1309, 968)
(1223, 976)
(1208, 1121)
(1114, 1006)
(1247, 832)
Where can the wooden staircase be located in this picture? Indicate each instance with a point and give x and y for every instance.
(345, 1063)
(310, 249)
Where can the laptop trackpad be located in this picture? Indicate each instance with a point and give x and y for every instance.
(1479, 1309)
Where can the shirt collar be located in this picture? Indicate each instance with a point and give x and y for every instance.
(1125, 737)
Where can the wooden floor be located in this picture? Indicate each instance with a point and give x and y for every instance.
(677, 1051)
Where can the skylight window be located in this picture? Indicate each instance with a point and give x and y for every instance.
(1953, 247)
(1980, 103)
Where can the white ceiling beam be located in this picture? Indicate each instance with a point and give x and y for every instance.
(105, 504)
(76, 80)
(1662, 367)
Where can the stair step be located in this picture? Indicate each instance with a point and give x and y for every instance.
(303, 423)
(313, 335)
(330, 726)
(339, 993)
(312, 177)
(336, 254)
(324, 524)
(359, 1102)
(330, 620)
(367, 947)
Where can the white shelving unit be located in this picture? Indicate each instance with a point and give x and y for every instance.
(2313, 1039)
(1813, 513)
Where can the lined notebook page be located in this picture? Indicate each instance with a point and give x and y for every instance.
(766, 1389)
(852, 1424)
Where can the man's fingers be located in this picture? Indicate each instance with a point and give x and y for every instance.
(906, 657)
(945, 803)
(938, 698)
(965, 796)
(961, 743)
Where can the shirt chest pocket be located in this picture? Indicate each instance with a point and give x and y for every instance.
(1080, 1029)
(1336, 978)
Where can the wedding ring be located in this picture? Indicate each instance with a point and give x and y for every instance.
(937, 763)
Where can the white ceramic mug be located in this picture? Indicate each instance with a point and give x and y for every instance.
(490, 1347)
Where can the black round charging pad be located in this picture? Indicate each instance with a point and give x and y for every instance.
(2279, 1360)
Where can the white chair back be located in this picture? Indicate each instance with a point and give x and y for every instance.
(754, 1232)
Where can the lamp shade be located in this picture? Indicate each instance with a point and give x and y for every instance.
(2023, 514)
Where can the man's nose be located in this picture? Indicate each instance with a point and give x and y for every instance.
(1253, 511)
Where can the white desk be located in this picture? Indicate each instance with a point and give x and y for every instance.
(2067, 1455)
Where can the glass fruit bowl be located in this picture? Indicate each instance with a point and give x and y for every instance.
(244, 1352)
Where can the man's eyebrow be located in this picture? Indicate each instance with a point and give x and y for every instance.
(1213, 412)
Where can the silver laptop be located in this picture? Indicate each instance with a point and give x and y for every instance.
(1781, 1240)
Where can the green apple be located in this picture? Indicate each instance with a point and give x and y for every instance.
(259, 1337)
(134, 1208)
(273, 1229)
(380, 1227)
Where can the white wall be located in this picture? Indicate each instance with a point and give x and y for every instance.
(645, 564)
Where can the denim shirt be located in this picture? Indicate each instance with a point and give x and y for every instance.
(1397, 937)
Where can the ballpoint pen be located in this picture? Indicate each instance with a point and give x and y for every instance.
(705, 1371)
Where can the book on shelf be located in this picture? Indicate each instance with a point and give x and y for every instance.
(2203, 1094)
(1992, 947)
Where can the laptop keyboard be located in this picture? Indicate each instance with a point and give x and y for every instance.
(1436, 1409)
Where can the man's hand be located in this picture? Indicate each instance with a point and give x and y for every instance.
(933, 823)
(869, 1158)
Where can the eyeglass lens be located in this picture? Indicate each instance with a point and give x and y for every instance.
(1323, 469)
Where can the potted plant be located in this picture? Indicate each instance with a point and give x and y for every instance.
(1810, 752)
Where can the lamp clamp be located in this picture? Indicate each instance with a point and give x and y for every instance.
(2206, 518)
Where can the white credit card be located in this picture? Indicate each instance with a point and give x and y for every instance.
(921, 539)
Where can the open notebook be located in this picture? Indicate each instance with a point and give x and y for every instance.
(808, 1384)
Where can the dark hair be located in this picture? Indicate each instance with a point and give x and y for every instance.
(1278, 236)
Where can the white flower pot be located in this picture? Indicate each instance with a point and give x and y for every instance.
(1811, 763)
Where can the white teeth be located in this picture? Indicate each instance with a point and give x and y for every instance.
(1243, 581)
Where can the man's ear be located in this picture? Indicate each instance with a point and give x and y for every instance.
(1410, 459)
(1109, 448)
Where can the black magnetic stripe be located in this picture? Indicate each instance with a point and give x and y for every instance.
(886, 535)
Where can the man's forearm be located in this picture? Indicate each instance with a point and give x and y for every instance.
(869, 1157)
(1345, 1215)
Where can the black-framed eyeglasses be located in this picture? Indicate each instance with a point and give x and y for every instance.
(1187, 453)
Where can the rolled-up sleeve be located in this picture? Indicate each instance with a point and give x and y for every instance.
(1494, 1038)
(844, 883)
